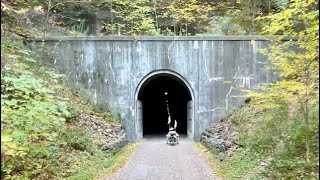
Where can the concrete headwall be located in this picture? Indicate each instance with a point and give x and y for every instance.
(108, 70)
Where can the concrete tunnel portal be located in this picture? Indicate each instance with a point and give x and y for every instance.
(156, 94)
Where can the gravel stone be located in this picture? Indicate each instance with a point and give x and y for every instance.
(156, 160)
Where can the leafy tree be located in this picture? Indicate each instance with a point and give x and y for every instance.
(238, 17)
(133, 17)
(296, 61)
(185, 12)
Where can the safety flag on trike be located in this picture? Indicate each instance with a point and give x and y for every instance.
(175, 124)
(169, 119)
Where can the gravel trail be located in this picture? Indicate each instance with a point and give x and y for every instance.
(156, 160)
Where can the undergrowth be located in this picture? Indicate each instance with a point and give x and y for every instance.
(277, 136)
(41, 138)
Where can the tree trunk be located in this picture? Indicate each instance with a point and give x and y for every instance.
(186, 29)
(307, 119)
(111, 18)
(269, 7)
(174, 27)
(307, 134)
(47, 19)
(305, 111)
(252, 18)
(155, 13)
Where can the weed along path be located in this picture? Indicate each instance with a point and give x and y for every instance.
(156, 160)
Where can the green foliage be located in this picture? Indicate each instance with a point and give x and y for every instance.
(183, 13)
(238, 17)
(41, 138)
(67, 111)
(297, 62)
(133, 18)
(31, 127)
(287, 122)
(111, 118)
(38, 130)
(139, 17)
(156, 17)
(31, 120)
(282, 122)
(253, 125)
(79, 27)
(271, 135)
(76, 138)
(26, 4)
(241, 163)
(99, 163)
(290, 162)
(159, 17)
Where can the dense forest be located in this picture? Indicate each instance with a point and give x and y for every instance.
(151, 17)
(43, 136)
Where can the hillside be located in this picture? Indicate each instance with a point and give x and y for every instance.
(47, 130)
(276, 134)
(253, 143)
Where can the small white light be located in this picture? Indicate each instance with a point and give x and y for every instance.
(166, 93)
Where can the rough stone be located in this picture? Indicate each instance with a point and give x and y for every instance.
(222, 138)
(111, 138)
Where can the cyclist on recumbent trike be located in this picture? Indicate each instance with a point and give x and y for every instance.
(172, 136)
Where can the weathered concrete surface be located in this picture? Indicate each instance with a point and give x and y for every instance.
(108, 70)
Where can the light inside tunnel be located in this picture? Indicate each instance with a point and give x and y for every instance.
(156, 94)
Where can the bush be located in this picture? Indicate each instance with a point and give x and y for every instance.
(271, 134)
(77, 138)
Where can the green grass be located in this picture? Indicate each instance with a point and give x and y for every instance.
(210, 159)
(119, 159)
(99, 164)
(241, 163)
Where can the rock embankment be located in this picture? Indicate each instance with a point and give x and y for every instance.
(221, 138)
(111, 136)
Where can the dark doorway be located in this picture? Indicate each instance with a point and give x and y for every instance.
(154, 99)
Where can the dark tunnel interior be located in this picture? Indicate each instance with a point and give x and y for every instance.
(155, 114)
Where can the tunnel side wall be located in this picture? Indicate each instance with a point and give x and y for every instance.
(108, 71)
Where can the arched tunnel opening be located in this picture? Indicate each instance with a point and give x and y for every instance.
(159, 94)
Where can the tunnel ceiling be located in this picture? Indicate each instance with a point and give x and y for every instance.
(164, 81)
(155, 114)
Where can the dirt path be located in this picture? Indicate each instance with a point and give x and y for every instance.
(155, 160)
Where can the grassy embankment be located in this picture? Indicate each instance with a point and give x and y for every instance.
(273, 145)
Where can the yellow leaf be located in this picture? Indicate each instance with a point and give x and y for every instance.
(22, 11)
(4, 7)
(5, 139)
(38, 8)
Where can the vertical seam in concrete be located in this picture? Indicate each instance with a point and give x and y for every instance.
(198, 78)
(169, 59)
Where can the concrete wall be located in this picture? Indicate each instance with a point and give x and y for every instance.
(108, 69)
